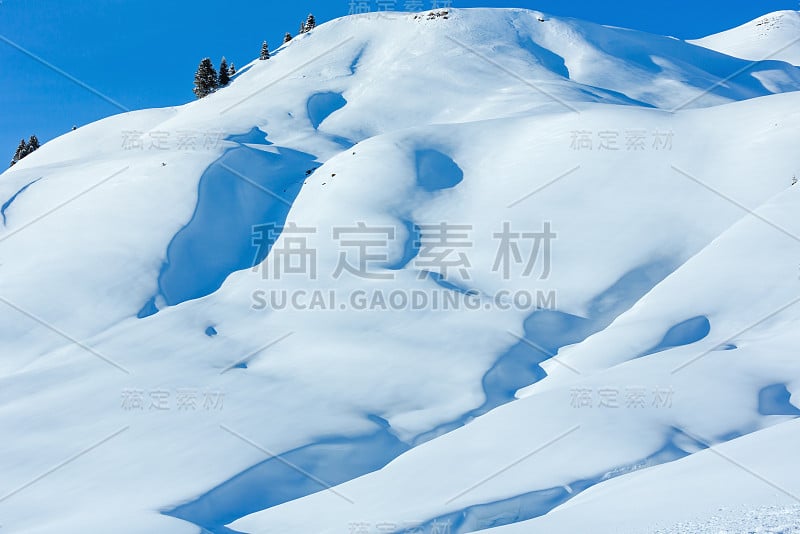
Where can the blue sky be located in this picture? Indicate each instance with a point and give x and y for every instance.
(143, 53)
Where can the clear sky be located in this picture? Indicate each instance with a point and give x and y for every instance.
(143, 53)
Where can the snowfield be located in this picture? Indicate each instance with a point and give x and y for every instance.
(641, 375)
(772, 37)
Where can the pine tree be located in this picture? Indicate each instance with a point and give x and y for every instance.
(311, 23)
(22, 151)
(232, 69)
(205, 80)
(264, 51)
(33, 144)
(224, 74)
(287, 38)
(302, 29)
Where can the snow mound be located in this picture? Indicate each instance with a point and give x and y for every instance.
(147, 370)
(775, 36)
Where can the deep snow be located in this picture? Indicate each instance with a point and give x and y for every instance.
(655, 384)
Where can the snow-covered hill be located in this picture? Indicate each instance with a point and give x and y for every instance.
(609, 216)
(775, 36)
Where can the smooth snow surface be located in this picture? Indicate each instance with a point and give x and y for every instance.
(775, 36)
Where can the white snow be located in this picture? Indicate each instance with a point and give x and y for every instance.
(126, 254)
(771, 37)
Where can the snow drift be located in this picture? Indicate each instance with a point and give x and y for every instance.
(147, 383)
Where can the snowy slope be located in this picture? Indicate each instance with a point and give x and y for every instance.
(741, 501)
(715, 399)
(775, 36)
(126, 255)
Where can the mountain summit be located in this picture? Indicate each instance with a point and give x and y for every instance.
(771, 37)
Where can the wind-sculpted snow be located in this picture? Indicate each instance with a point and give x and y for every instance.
(408, 233)
(145, 319)
(254, 137)
(545, 332)
(737, 504)
(692, 372)
(776, 400)
(7, 204)
(309, 469)
(248, 187)
(537, 503)
(323, 105)
(684, 333)
(436, 171)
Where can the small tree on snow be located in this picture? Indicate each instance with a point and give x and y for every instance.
(232, 69)
(311, 23)
(22, 151)
(33, 144)
(205, 80)
(264, 51)
(224, 74)
(287, 37)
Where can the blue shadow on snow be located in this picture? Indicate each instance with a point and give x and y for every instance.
(246, 187)
(279, 479)
(537, 503)
(684, 333)
(323, 105)
(776, 400)
(11, 200)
